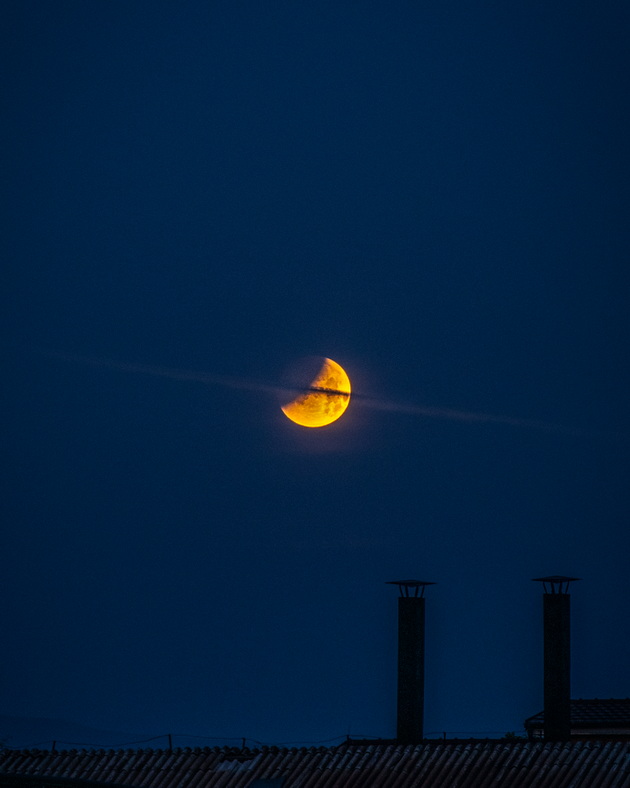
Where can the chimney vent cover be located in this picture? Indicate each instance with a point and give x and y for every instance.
(558, 584)
(404, 586)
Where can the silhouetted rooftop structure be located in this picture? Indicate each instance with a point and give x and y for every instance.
(590, 717)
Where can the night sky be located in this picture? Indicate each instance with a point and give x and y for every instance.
(434, 195)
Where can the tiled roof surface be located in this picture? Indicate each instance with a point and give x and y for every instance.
(33, 781)
(595, 712)
(473, 764)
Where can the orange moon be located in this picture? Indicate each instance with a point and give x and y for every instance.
(324, 400)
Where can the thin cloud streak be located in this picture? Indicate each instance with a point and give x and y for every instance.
(171, 373)
(487, 418)
(244, 384)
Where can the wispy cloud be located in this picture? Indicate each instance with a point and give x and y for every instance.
(247, 384)
(430, 411)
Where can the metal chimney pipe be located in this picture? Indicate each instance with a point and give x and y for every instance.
(557, 656)
(410, 710)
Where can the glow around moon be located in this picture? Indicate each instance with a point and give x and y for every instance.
(324, 400)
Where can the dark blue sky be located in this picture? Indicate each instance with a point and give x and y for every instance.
(435, 197)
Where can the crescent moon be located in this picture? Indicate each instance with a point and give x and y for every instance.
(324, 401)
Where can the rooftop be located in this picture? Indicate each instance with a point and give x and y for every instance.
(473, 764)
(592, 712)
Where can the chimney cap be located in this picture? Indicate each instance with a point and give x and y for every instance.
(556, 583)
(404, 586)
